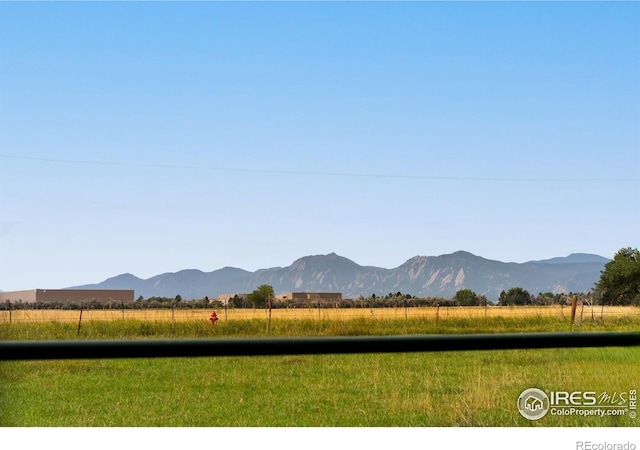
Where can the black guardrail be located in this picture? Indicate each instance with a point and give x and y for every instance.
(171, 348)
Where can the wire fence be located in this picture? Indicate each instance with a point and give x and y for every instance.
(583, 313)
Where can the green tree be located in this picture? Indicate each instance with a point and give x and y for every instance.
(515, 296)
(545, 298)
(261, 296)
(619, 282)
(236, 302)
(466, 297)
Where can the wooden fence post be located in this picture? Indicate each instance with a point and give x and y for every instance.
(269, 320)
(80, 319)
(574, 304)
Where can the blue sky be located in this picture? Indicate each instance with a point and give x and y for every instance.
(154, 137)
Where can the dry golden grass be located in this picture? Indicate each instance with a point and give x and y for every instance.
(183, 315)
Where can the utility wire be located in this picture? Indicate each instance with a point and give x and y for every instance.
(320, 173)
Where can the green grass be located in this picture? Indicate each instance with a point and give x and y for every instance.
(135, 329)
(410, 389)
(443, 389)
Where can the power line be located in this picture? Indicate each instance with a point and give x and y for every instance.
(320, 173)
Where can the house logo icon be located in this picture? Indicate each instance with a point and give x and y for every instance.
(533, 404)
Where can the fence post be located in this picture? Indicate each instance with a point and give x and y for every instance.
(80, 319)
(437, 315)
(9, 311)
(269, 321)
(574, 304)
(122, 304)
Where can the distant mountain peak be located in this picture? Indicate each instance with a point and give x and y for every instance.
(463, 253)
(331, 255)
(322, 262)
(576, 258)
(123, 277)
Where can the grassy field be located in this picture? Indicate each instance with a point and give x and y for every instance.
(412, 389)
(134, 329)
(584, 314)
(441, 389)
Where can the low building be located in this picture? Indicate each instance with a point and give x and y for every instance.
(106, 296)
(310, 298)
(224, 298)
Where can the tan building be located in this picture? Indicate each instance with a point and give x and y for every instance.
(105, 296)
(224, 298)
(308, 298)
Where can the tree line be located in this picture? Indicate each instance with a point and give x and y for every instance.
(140, 303)
(516, 296)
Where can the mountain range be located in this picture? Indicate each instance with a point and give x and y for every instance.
(424, 276)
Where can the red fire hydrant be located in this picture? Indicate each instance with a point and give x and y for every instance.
(214, 318)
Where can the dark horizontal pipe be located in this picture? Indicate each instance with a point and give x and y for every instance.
(165, 348)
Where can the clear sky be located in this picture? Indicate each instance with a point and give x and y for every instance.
(154, 137)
